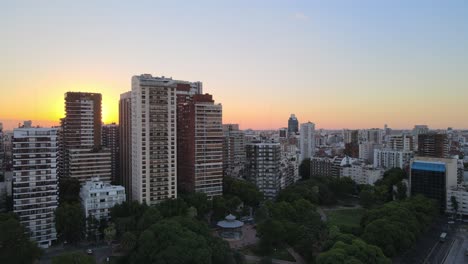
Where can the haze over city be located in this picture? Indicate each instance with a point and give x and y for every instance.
(339, 64)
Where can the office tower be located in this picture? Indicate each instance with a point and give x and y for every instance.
(388, 158)
(420, 129)
(199, 143)
(98, 197)
(432, 177)
(433, 145)
(373, 135)
(307, 140)
(233, 151)
(35, 199)
(263, 167)
(293, 125)
(154, 145)
(401, 142)
(81, 155)
(110, 141)
(125, 143)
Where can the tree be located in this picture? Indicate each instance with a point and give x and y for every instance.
(247, 192)
(343, 186)
(199, 201)
(69, 190)
(15, 246)
(353, 252)
(149, 217)
(220, 208)
(304, 169)
(73, 257)
(401, 191)
(366, 196)
(110, 233)
(128, 241)
(69, 222)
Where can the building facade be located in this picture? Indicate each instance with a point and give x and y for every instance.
(110, 141)
(233, 151)
(432, 177)
(98, 197)
(263, 167)
(321, 167)
(125, 143)
(433, 145)
(81, 154)
(401, 142)
(199, 143)
(385, 158)
(154, 142)
(361, 173)
(35, 152)
(293, 125)
(307, 140)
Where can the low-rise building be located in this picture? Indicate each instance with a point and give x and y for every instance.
(387, 158)
(98, 197)
(461, 196)
(362, 173)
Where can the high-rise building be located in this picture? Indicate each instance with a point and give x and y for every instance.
(199, 143)
(373, 135)
(420, 129)
(366, 151)
(432, 177)
(283, 133)
(110, 141)
(233, 151)
(154, 139)
(81, 154)
(401, 142)
(307, 140)
(35, 198)
(350, 136)
(263, 167)
(293, 125)
(125, 143)
(433, 145)
(2, 154)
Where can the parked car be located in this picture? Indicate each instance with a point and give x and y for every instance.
(89, 251)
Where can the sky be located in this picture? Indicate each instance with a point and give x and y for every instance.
(339, 64)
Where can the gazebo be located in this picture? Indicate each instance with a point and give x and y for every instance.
(230, 228)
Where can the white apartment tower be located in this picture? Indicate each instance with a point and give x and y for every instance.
(35, 199)
(154, 142)
(307, 140)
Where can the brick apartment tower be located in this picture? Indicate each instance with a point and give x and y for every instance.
(199, 142)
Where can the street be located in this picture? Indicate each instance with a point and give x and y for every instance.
(100, 252)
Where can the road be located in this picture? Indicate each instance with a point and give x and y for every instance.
(456, 254)
(100, 252)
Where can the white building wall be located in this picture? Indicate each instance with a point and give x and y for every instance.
(98, 197)
(307, 140)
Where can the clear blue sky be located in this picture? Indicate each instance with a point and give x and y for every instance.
(336, 63)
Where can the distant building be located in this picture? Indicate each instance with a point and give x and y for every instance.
(283, 133)
(321, 167)
(233, 151)
(289, 169)
(293, 125)
(432, 177)
(263, 167)
(350, 136)
(366, 151)
(401, 142)
(125, 143)
(385, 158)
(433, 145)
(361, 173)
(307, 140)
(374, 135)
(98, 197)
(420, 129)
(110, 140)
(35, 198)
(461, 196)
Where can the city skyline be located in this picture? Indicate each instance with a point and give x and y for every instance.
(339, 65)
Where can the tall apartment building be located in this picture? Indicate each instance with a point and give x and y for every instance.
(233, 150)
(432, 177)
(98, 197)
(307, 140)
(289, 169)
(263, 167)
(154, 139)
(110, 141)
(125, 143)
(373, 135)
(387, 158)
(420, 129)
(401, 142)
(35, 198)
(433, 145)
(81, 153)
(321, 167)
(350, 136)
(366, 151)
(2, 154)
(199, 143)
(293, 125)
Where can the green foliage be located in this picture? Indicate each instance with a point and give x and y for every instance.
(454, 202)
(302, 190)
(246, 191)
(70, 222)
(199, 201)
(173, 207)
(15, 246)
(347, 220)
(342, 187)
(395, 226)
(110, 233)
(304, 169)
(69, 190)
(128, 241)
(149, 217)
(401, 191)
(350, 252)
(73, 257)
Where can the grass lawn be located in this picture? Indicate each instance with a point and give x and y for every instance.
(345, 217)
(280, 253)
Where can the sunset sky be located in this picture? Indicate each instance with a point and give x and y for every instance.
(339, 64)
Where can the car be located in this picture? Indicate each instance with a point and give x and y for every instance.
(89, 251)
